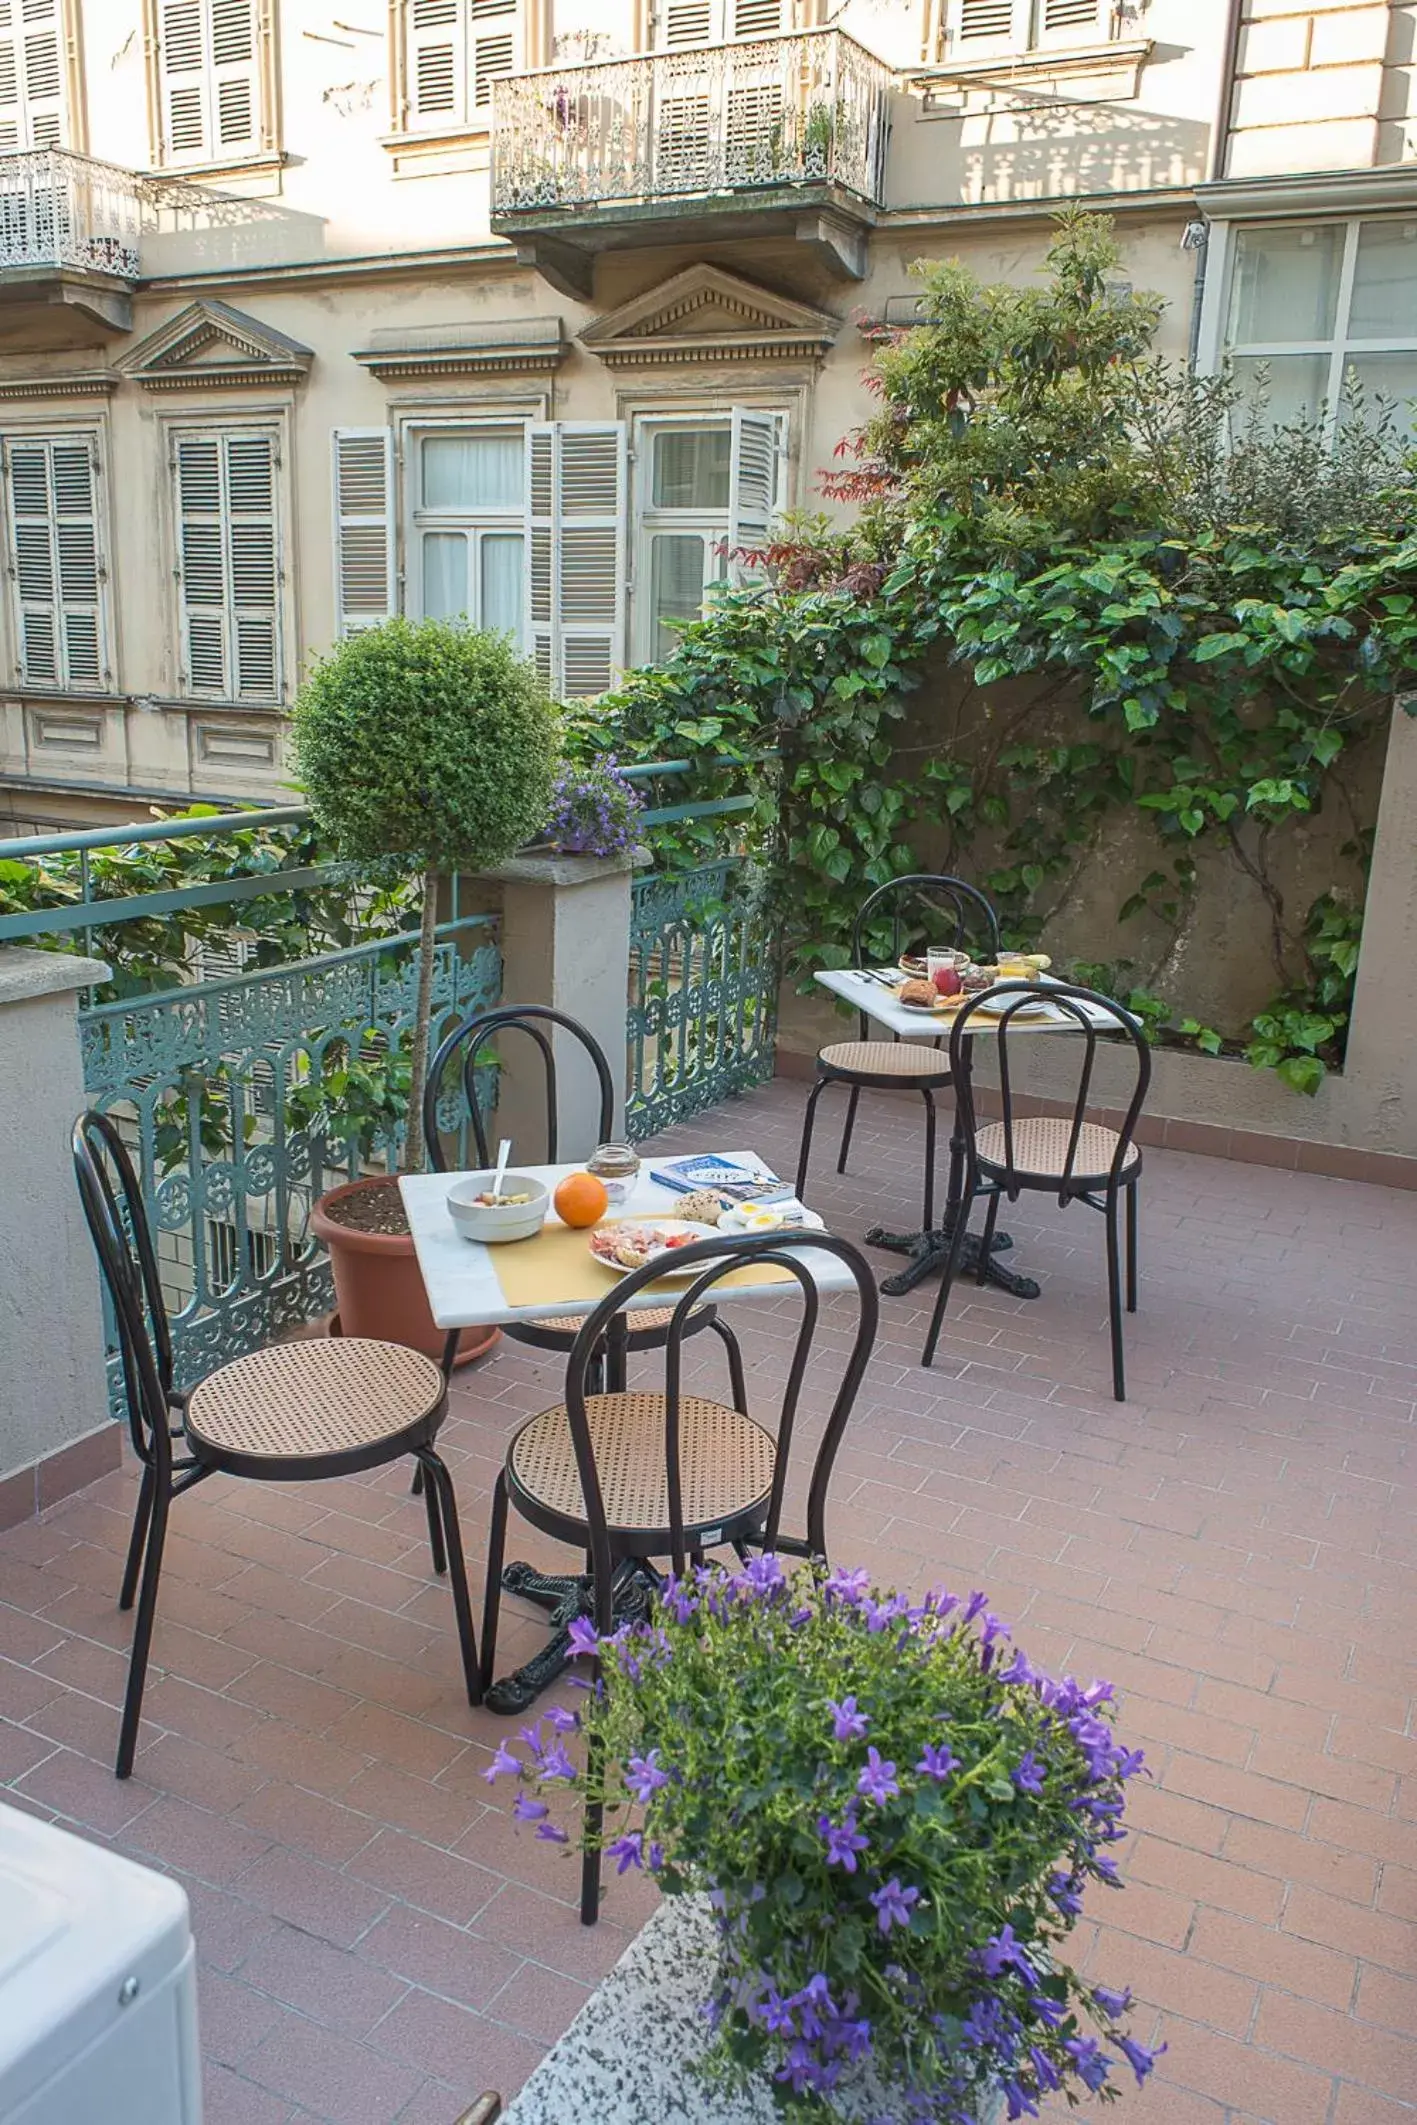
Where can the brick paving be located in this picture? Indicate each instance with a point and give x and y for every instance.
(1234, 1547)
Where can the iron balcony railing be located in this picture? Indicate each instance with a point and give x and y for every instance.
(780, 111)
(61, 209)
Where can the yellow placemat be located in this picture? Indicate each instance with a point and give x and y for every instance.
(557, 1268)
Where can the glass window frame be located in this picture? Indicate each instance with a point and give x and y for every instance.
(474, 524)
(712, 525)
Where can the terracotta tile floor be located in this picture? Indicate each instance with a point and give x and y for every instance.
(1234, 1547)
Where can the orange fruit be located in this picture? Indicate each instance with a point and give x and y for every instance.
(580, 1199)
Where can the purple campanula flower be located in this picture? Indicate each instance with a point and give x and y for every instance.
(799, 1617)
(528, 1810)
(776, 2015)
(627, 1850)
(975, 1606)
(562, 1720)
(583, 1636)
(1138, 2056)
(1112, 2003)
(1019, 1669)
(937, 1763)
(847, 1723)
(764, 1574)
(893, 1904)
(1020, 2102)
(1003, 1952)
(556, 1763)
(654, 1856)
(1089, 2060)
(1048, 2011)
(877, 1782)
(1028, 1774)
(644, 1776)
(850, 1587)
(843, 1841)
(1063, 1889)
(532, 1737)
(503, 1765)
(1129, 1762)
(552, 1833)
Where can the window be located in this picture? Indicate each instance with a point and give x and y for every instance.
(55, 561)
(212, 92)
(975, 29)
(685, 22)
(228, 571)
(453, 50)
(708, 490)
(1320, 303)
(31, 75)
(467, 525)
(236, 1259)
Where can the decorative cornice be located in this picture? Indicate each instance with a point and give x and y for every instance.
(656, 329)
(72, 383)
(504, 347)
(256, 353)
(1313, 192)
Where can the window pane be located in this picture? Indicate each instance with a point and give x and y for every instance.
(1295, 386)
(444, 575)
(1385, 282)
(1285, 285)
(501, 566)
(691, 468)
(481, 469)
(1389, 377)
(676, 586)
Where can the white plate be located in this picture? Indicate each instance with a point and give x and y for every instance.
(805, 1221)
(666, 1258)
(1035, 1007)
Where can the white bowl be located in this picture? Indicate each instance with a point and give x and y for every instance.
(506, 1221)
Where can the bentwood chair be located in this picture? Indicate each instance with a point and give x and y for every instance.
(631, 1477)
(539, 1022)
(293, 1413)
(1067, 1155)
(897, 913)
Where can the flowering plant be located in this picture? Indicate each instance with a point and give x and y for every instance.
(895, 1816)
(593, 810)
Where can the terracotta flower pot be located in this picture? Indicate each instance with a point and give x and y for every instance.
(378, 1288)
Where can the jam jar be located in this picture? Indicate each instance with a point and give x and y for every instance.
(617, 1166)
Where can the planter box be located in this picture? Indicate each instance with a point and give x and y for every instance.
(628, 2058)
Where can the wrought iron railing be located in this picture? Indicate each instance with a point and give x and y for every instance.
(806, 109)
(62, 209)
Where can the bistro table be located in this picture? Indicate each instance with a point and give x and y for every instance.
(464, 1290)
(872, 992)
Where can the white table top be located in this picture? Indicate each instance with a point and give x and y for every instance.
(462, 1284)
(879, 1003)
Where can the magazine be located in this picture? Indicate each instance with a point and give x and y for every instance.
(731, 1179)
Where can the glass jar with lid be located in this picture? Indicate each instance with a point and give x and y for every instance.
(617, 1166)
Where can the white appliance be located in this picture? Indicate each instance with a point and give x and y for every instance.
(98, 2007)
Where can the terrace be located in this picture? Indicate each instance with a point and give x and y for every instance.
(1232, 1546)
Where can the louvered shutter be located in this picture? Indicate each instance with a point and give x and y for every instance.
(228, 566)
(752, 488)
(1069, 22)
(494, 41)
(688, 22)
(575, 516)
(55, 561)
(31, 76)
(979, 27)
(435, 61)
(364, 529)
(182, 66)
(235, 85)
(761, 18)
(209, 72)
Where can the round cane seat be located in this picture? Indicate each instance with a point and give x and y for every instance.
(726, 1462)
(649, 1321)
(885, 1058)
(1040, 1144)
(308, 1401)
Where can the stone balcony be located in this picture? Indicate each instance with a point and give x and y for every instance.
(69, 235)
(778, 136)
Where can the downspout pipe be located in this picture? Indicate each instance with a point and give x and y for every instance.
(1195, 237)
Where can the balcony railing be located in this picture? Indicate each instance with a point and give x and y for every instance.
(786, 111)
(61, 209)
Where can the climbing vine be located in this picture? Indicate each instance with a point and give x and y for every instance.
(1147, 602)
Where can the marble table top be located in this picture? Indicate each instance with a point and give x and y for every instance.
(864, 993)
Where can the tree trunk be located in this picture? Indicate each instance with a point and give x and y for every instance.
(414, 1148)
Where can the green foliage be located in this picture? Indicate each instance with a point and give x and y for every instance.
(896, 1821)
(1227, 603)
(428, 741)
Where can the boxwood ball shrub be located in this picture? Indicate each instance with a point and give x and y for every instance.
(895, 1817)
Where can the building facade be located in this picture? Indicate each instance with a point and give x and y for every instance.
(313, 311)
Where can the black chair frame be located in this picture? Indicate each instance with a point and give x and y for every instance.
(539, 1022)
(172, 1463)
(994, 1180)
(899, 894)
(609, 1550)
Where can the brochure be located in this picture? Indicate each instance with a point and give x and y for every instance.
(736, 1182)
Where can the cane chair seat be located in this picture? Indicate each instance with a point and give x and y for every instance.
(885, 1059)
(313, 1401)
(726, 1462)
(651, 1320)
(1040, 1147)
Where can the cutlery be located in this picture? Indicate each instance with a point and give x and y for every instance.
(504, 1152)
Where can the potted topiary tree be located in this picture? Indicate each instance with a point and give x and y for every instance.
(435, 745)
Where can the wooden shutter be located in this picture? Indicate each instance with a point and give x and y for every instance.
(688, 22)
(235, 94)
(209, 77)
(752, 487)
(494, 46)
(31, 76)
(435, 61)
(761, 18)
(575, 518)
(182, 68)
(55, 561)
(228, 564)
(978, 27)
(364, 528)
(1074, 22)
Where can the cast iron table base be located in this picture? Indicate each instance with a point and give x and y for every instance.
(564, 1596)
(928, 1252)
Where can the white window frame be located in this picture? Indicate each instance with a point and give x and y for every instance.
(1341, 348)
(273, 425)
(455, 45)
(208, 81)
(1029, 29)
(649, 521)
(474, 523)
(93, 437)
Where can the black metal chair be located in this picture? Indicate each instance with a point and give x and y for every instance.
(293, 1413)
(1064, 1155)
(538, 1022)
(886, 922)
(630, 1477)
